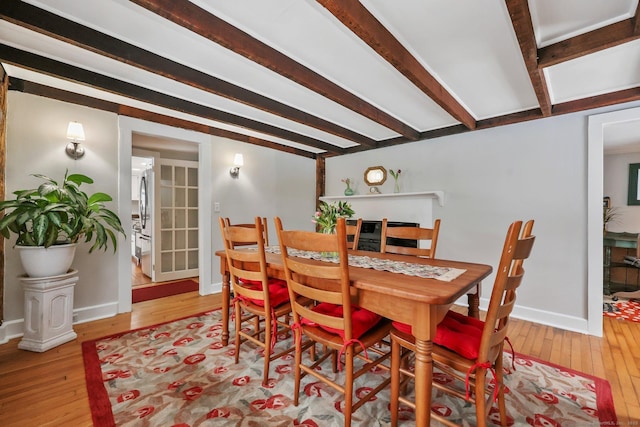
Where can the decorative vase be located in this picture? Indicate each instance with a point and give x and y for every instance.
(348, 191)
(396, 186)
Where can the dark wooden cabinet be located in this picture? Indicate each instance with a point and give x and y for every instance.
(619, 275)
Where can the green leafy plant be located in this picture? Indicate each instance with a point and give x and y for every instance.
(327, 215)
(60, 213)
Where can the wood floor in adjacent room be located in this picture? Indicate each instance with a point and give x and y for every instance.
(48, 389)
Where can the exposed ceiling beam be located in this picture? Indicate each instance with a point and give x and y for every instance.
(89, 78)
(198, 20)
(606, 99)
(125, 110)
(593, 41)
(361, 22)
(52, 25)
(523, 27)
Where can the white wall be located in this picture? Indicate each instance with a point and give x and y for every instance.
(36, 138)
(616, 182)
(271, 183)
(490, 178)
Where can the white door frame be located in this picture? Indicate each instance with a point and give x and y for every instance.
(126, 127)
(595, 192)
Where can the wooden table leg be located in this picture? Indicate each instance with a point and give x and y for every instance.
(473, 300)
(424, 329)
(226, 297)
(424, 376)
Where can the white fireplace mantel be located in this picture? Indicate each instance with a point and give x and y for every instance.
(431, 194)
(410, 207)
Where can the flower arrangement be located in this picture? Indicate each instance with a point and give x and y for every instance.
(395, 175)
(327, 215)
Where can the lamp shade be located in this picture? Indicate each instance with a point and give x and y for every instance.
(238, 160)
(75, 131)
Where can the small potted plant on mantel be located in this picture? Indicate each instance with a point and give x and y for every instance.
(53, 218)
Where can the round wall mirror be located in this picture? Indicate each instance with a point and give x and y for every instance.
(375, 175)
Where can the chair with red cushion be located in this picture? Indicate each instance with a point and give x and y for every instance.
(257, 298)
(467, 348)
(333, 322)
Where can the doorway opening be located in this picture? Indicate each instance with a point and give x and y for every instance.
(176, 141)
(164, 190)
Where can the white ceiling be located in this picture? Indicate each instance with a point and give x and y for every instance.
(469, 47)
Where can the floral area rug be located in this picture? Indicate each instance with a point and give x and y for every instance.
(179, 374)
(621, 308)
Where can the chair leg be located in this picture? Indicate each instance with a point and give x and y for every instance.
(348, 386)
(480, 397)
(500, 383)
(238, 312)
(267, 348)
(296, 391)
(396, 354)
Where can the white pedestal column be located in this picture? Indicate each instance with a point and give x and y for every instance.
(48, 311)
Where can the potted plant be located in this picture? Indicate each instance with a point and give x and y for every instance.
(53, 218)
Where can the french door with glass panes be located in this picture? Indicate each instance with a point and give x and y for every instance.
(176, 251)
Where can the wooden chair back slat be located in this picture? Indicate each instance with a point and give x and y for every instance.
(421, 234)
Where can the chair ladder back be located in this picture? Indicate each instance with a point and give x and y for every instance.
(265, 229)
(354, 231)
(420, 234)
(517, 248)
(319, 281)
(243, 264)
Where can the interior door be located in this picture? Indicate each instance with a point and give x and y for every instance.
(176, 249)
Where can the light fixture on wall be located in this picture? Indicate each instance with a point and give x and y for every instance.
(238, 161)
(75, 133)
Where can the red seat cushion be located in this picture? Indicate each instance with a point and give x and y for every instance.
(361, 319)
(456, 332)
(278, 292)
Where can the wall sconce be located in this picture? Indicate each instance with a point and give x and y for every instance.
(238, 161)
(75, 133)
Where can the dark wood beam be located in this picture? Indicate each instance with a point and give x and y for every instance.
(604, 100)
(58, 69)
(198, 20)
(362, 23)
(4, 89)
(593, 41)
(54, 26)
(125, 110)
(523, 27)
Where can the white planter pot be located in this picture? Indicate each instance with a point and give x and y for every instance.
(39, 261)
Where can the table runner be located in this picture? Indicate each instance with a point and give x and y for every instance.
(445, 274)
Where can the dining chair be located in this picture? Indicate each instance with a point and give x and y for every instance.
(265, 228)
(258, 299)
(467, 348)
(421, 234)
(353, 234)
(343, 329)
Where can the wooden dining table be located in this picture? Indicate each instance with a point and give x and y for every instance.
(420, 302)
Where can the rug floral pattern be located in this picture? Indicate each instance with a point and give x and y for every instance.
(179, 374)
(621, 308)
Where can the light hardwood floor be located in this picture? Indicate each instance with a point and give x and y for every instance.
(48, 389)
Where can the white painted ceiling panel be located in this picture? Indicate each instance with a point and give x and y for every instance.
(467, 46)
(606, 71)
